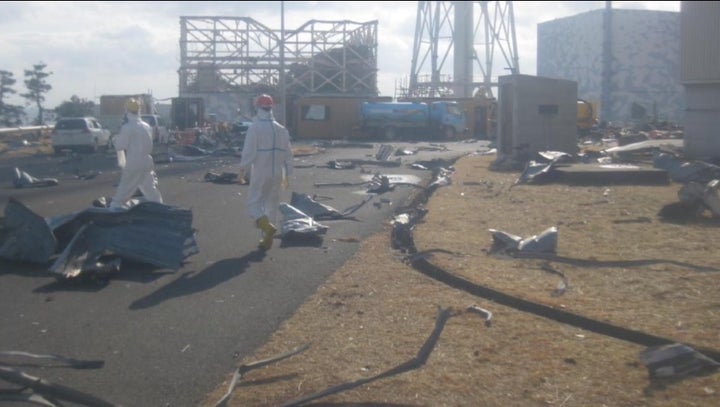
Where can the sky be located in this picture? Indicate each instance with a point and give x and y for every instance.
(124, 47)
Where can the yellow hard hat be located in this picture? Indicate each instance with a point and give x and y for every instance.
(132, 105)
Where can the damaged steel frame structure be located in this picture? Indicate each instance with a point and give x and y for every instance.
(94, 241)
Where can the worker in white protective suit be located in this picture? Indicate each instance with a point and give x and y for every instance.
(134, 145)
(267, 156)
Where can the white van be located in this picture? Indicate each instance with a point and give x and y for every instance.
(79, 134)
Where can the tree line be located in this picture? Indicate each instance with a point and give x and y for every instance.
(36, 86)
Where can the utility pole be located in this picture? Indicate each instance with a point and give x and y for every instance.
(283, 90)
(606, 95)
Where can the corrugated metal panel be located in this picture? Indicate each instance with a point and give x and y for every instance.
(700, 48)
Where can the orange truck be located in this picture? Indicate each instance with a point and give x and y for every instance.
(587, 117)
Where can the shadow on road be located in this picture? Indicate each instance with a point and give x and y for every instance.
(212, 276)
(93, 282)
(305, 241)
(23, 269)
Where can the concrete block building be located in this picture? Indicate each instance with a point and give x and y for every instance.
(536, 114)
(628, 61)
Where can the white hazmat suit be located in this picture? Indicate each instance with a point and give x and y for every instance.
(267, 157)
(135, 143)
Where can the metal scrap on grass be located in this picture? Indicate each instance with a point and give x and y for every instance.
(545, 242)
(415, 363)
(247, 367)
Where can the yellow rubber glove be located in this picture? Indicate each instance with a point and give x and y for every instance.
(285, 183)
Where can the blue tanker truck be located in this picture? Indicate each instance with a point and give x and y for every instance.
(444, 120)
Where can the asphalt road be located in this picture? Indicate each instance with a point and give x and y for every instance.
(166, 337)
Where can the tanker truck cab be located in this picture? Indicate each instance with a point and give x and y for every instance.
(448, 120)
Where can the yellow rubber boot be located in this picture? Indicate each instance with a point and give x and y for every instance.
(268, 233)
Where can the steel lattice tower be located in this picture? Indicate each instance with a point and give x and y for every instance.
(469, 33)
(230, 54)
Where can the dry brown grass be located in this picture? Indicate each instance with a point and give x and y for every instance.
(11, 146)
(376, 312)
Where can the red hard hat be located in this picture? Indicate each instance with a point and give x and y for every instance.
(264, 101)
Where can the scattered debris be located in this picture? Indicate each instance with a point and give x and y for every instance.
(415, 363)
(247, 367)
(403, 224)
(93, 241)
(433, 164)
(86, 175)
(540, 170)
(147, 232)
(298, 225)
(22, 179)
(379, 184)
(433, 147)
(675, 361)
(340, 165)
(313, 208)
(70, 362)
(556, 156)
(695, 199)
(645, 147)
(534, 171)
(194, 151)
(26, 236)
(39, 391)
(703, 196)
(343, 144)
(545, 242)
(483, 312)
(684, 172)
(442, 179)
(562, 285)
(379, 163)
(223, 178)
(404, 151)
(491, 151)
(394, 179)
(339, 184)
(317, 210)
(384, 152)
